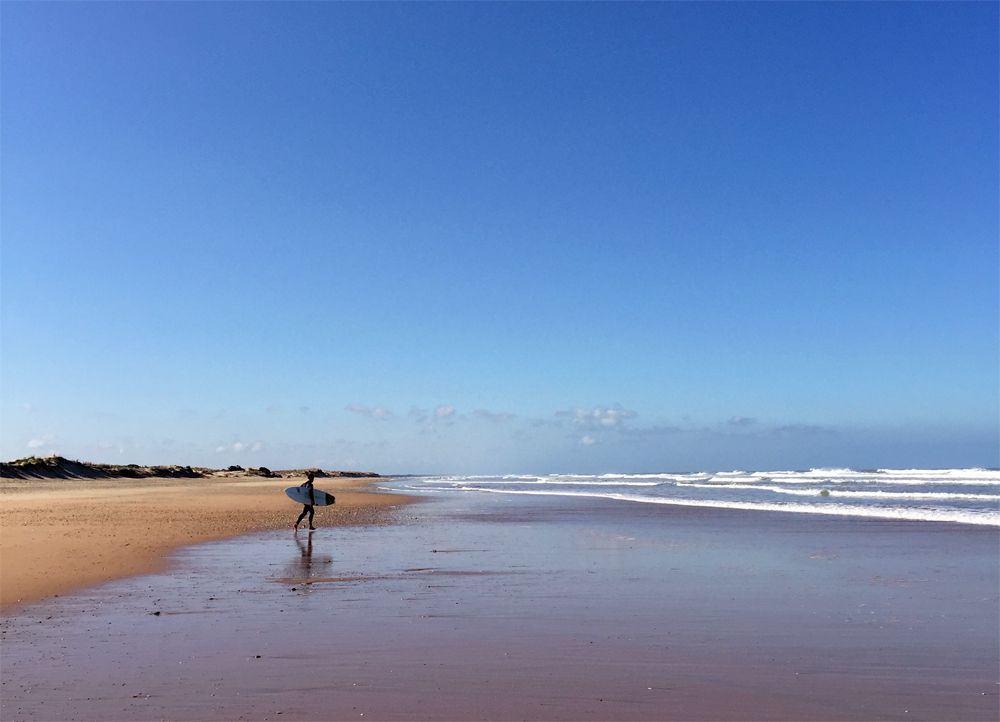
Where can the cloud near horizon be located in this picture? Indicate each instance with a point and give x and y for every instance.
(374, 412)
(445, 411)
(497, 417)
(599, 417)
(238, 447)
(558, 447)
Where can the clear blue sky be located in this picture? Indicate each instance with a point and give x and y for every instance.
(501, 237)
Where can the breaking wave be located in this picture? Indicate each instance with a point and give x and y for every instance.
(969, 496)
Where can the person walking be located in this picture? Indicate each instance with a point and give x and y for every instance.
(308, 508)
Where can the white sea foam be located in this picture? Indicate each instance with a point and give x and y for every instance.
(985, 518)
(915, 495)
(960, 495)
(975, 473)
(663, 477)
(972, 475)
(494, 481)
(785, 477)
(889, 477)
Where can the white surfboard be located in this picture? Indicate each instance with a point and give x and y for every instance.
(300, 494)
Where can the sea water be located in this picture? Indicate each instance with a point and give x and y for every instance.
(970, 496)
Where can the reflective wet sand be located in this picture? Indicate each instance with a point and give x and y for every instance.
(487, 608)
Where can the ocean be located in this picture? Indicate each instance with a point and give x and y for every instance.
(969, 496)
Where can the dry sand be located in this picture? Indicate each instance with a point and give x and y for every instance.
(64, 534)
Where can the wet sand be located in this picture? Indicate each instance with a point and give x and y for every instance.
(64, 534)
(507, 608)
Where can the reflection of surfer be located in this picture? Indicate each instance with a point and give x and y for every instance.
(308, 508)
(306, 568)
(307, 553)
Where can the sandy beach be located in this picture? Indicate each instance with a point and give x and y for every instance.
(57, 535)
(650, 350)
(503, 608)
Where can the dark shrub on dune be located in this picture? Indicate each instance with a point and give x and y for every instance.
(57, 467)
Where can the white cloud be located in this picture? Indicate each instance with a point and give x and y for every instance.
(599, 417)
(445, 411)
(105, 445)
(28, 407)
(588, 440)
(238, 447)
(375, 412)
(494, 416)
(36, 443)
(441, 416)
(802, 429)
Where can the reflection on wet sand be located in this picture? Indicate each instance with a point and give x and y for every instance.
(303, 568)
(591, 611)
(309, 569)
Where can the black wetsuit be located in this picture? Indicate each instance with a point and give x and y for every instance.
(307, 508)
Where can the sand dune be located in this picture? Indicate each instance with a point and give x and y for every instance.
(58, 467)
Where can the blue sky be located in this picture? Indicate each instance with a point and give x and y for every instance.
(501, 237)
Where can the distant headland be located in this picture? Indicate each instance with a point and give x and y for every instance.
(57, 467)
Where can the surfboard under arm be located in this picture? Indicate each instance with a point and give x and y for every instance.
(300, 494)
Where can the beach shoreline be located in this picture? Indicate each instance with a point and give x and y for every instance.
(479, 607)
(62, 535)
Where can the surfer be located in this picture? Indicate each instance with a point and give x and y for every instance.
(308, 508)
